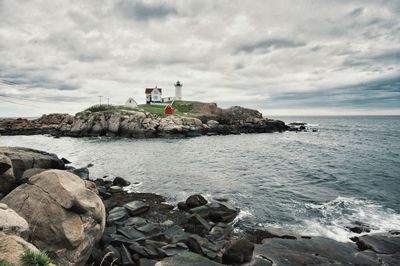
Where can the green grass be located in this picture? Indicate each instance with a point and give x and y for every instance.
(182, 108)
(5, 264)
(108, 108)
(30, 258)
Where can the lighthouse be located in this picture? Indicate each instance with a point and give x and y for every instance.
(178, 91)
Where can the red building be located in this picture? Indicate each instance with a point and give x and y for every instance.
(169, 110)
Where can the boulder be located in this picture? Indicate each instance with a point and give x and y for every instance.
(379, 243)
(65, 217)
(135, 208)
(196, 200)
(314, 251)
(81, 172)
(24, 158)
(187, 258)
(119, 181)
(5, 163)
(12, 223)
(30, 172)
(12, 247)
(7, 178)
(238, 251)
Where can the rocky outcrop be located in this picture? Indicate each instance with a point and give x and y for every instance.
(207, 119)
(65, 216)
(15, 161)
(12, 247)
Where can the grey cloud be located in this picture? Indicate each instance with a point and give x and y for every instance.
(276, 43)
(356, 12)
(143, 11)
(375, 94)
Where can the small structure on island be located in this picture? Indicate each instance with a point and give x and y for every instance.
(154, 95)
(178, 91)
(131, 103)
(169, 110)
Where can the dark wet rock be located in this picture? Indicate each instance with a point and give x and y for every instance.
(5, 164)
(258, 234)
(126, 258)
(148, 229)
(315, 251)
(130, 232)
(193, 245)
(103, 192)
(111, 255)
(81, 172)
(147, 262)
(29, 173)
(394, 232)
(197, 225)
(137, 248)
(182, 206)
(119, 181)
(379, 243)
(220, 231)
(223, 212)
(109, 204)
(238, 251)
(196, 201)
(359, 227)
(66, 161)
(117, 239)
(135, 208)
(173, 232)
(116, 214)
(154, 252)
(187, 258)
(135, 221)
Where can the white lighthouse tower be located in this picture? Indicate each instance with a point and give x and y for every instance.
(178, 91)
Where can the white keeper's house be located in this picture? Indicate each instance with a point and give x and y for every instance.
(154, 95)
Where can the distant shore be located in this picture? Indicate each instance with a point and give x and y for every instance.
(200, 119)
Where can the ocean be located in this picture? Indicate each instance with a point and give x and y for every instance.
(314, 183)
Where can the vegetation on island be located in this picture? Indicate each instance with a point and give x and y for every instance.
(182, 108)
(30, 258)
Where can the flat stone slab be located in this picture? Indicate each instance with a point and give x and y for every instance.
(314, 251)
(116, 214)
(380, 243)
(186, 258)
(136, 207)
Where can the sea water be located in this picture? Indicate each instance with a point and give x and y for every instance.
(314, 183)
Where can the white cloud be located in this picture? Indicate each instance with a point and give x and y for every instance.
(228, 51)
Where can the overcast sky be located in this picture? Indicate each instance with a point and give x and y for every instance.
(281, 57)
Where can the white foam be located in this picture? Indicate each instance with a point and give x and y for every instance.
(342, 211)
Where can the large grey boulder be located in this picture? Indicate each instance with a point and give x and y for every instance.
(65, 216)
(24, 158)
(7, 178)
(12, 223)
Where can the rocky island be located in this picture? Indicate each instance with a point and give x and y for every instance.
(48, 206)
(147, 121)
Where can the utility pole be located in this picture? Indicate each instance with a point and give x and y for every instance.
(100, 99)
(108, 101)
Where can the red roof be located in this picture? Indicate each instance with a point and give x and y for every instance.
(149, 90)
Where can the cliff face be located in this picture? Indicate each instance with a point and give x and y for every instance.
(207, 119)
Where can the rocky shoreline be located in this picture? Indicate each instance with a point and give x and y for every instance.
(47, 205)
(140, 124)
